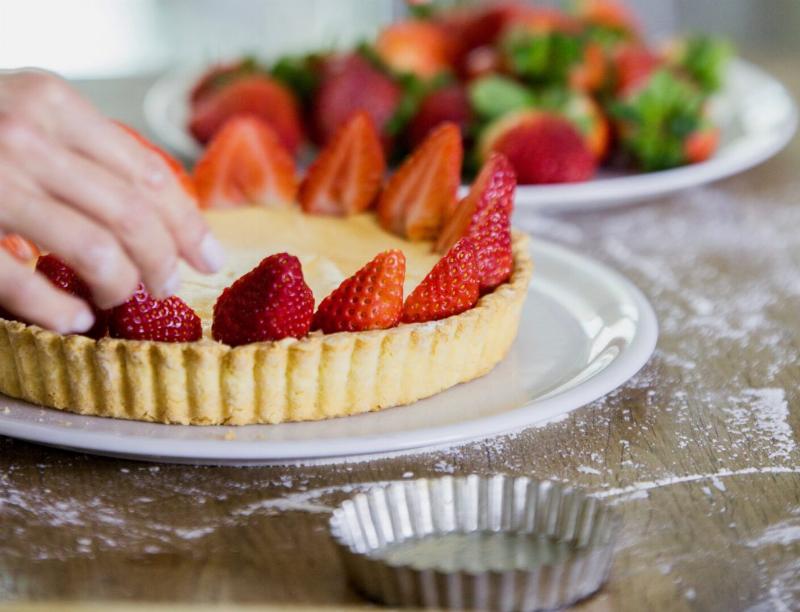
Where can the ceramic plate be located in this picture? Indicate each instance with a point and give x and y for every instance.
(585, 330)
(755, 112)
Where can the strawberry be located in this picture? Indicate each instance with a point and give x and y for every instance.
(417, 47)
(21, 248)
(66, 279)
(450, 288)
(174, 165)
(543, 147)
(245, 163)
(632, 65)
(422, 191)
(221, 75)
(590, 73)
(370, 299)
(347, 174)
(495, 184)
(610, 15)
(271, 302)
(254, 95)
(492, 235)
(350, 83)
(143, 317)
(701, 144)
(449, 103)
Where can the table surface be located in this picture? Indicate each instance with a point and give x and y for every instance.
(698, 452)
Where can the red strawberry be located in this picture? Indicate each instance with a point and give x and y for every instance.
(590, 74)
(65, 278)
(217, 77)
(347, 174)
(451, 287)
(370, 299)
(418, 47)
(701, 144)
(542, 147)
(256, 95)
(609, 14)
(351, 83)
(422, 191)
(492, 237)
(245, 164)
(632, 65)
(21, 248)
(495, 184)
(174, 165)
(446, 104)
(271, 302)
(143, 317)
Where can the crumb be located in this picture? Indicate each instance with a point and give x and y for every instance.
(6, 410)
(230, 435)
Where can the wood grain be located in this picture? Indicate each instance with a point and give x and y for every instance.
(698, 451)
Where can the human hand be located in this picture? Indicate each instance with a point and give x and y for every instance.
(77, 184)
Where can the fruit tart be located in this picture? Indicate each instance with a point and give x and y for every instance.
(343, 293)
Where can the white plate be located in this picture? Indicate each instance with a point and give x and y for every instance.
(756, 114)
(585, 330)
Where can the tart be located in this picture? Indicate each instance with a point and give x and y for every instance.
(317, 376)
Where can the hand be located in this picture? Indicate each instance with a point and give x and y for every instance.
(78, 185)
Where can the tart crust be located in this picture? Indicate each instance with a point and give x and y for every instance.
(316, 377)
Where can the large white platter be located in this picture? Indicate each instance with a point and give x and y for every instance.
(585, 331)
(756, 114)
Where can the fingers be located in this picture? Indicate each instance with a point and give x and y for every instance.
(32, 297)
(107, 201)
(85, 245)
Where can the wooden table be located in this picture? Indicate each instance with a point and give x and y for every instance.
(698, 451)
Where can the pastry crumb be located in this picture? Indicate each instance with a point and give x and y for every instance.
(6, 410)
(230, 435)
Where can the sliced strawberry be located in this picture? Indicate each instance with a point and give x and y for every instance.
(256, 95)
(245, 164)
(21, 248)
(66, 279)
(422, 191)
(174, 165)
(347, 174)
(446, 104)
(543, 147)
(701, 144)
(492, 238)
(495, 184)
(143, 317)
(370, 299)
(271, 302)
(450, 288)
(632, 65)
(414, 46)
(350, 83)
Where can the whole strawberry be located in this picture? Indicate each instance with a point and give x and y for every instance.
(143, 317)
(270, 302)
(449, 103)
(542, 147)
(65, 278)
(370, 299)
(450, 288)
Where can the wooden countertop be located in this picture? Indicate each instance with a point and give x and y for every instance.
(698, 451)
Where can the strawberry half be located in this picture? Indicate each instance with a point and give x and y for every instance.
(422, 191)
(175, 166)
(256, 95)
(543, 147)
(66, 279)
(495, 183)
(450, 288)
(245, 164)
(21, 248)
(271, 302)
(347, 174)
(370, 299)
(349, 84)
(143, 317)
(446, 104)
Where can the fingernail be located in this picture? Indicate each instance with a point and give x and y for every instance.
(171, 284)
(82, 322)
(212, 252)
